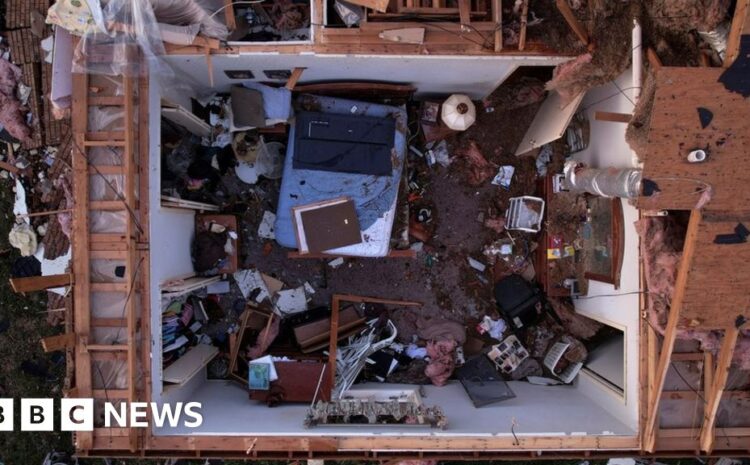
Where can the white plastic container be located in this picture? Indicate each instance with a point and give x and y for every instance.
(525, 214)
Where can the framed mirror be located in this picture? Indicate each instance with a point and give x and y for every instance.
(603, 240)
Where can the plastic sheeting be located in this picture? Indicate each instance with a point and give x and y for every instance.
(111, 49)
(107, 222)
(105, 156)
(111, 305)
(106, 119)
(188, 13)
(107, 271)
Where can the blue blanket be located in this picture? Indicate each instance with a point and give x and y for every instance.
(373, 196)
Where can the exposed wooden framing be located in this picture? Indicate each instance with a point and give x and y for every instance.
(572, 21)
(704, 60)
(688, 356)
(708, 372)
(229, 17)
(497, 17)
(693, 395)
(450, 38)
(739, 26)
(60, 342)
(209, 65)
(377, 5)
(524, 20)
(294, 78)
(716, 390)
(670, 333)
(653, 59)
(464, 11)
(129, 164)
(40, 283)
(80, 246)
(335, 306)
(612, 117)
(652, 346)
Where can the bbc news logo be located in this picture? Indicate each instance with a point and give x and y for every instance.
(78, 414)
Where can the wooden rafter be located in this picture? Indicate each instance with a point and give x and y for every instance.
(573, 22)
(497, 17)
(716, 390)
(670, 334)
(524, 21)
(740, 25)
(80, 248)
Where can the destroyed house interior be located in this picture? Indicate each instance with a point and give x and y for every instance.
(397, 228)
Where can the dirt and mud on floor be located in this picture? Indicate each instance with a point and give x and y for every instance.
(452, 218)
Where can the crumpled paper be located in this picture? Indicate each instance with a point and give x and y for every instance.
(23, 237)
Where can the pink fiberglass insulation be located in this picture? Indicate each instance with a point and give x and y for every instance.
(662, 240)
(12, 113)
(442, 361)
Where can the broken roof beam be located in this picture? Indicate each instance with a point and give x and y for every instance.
(713, 398)
(740, 26)
(573, 22)
(670, 333)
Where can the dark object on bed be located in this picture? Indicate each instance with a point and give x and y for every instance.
(327, 225)
(344, 143)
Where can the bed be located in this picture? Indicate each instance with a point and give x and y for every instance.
(375, 197)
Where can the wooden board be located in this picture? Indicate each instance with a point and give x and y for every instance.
(675, 130)
(298, 382)
(549, 123)
(378, 5)
(187, 366)
(187, 119)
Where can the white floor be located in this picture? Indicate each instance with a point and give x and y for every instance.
(537, 410)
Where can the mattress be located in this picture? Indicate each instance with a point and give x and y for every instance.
(375, 197)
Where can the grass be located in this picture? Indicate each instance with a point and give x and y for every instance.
(27, 318)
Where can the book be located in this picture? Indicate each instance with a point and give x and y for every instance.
(259, 377)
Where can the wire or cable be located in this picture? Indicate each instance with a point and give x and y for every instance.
(127, 299)
(243, 2)
(620, 90)
(513, 425)
(114, 189)
(609, 295)
(623, 93)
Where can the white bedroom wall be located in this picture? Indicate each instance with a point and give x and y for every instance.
(608, 148)
(171, 232)
(476, 76)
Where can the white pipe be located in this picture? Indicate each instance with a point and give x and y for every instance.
(637, 60)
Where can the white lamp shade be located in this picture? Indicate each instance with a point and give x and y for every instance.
(458, 112)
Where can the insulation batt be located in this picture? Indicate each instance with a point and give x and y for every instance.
(186, 12)
(442, 361)
(661, 248)
(12, 114)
